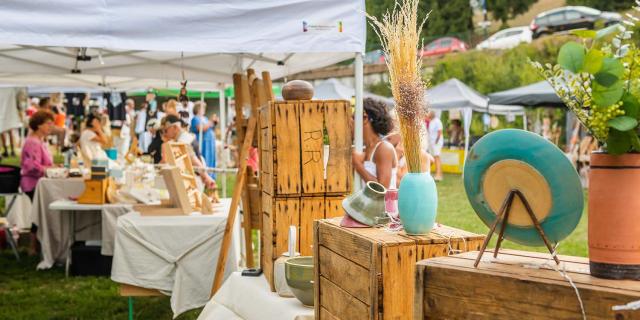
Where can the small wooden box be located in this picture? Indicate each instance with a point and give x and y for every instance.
(280, 213)
(368, 273)
(292, 148)
(95, 192)
(514, 287)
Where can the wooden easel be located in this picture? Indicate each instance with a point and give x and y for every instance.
(503, 219)
(258, 97)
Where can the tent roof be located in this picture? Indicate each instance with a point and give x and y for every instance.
(152, 42)
(334, 89)
(453, 94)
(536, 94)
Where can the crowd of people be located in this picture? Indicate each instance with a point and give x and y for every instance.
(144, 131)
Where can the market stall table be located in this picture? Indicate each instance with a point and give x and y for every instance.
(109, 213)
(53, 229)
(247, 298)
(176, 255)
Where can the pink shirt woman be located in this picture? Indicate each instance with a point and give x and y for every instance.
(35, 155)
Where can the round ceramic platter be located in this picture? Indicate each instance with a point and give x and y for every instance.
(515, 159)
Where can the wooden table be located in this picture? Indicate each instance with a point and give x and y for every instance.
(369, 273)
(517, 285)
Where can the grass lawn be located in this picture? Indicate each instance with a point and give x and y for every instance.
(29, 294)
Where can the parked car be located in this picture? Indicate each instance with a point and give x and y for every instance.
(443, 46)
(507, 38)
(570, 18)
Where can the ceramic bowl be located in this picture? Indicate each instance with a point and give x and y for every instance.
(299, 274)
(57, 173)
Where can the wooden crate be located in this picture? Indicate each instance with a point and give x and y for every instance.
(512, 288)
(292, 148)
(280, 213)
(368, 273)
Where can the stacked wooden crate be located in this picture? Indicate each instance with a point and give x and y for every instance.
(296, 189)
(369, 273)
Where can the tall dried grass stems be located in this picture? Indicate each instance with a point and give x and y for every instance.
(399, 33)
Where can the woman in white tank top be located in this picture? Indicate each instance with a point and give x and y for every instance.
(379, 161)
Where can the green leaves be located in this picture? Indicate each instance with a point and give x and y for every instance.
(631, 106)
(572, 56)
(623, 123)
(610, 72)
(593, 61)
(618, 142)
(606, 96)
(607, 31)
(585, 34)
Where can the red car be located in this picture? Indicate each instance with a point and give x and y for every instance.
(443, 46)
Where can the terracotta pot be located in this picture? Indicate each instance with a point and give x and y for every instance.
(614, 216)
(297, 90)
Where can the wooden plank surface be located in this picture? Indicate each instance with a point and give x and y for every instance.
(311, 139)
(398, 272)
(512, 287)
(346, 244)
(339, 170)
(311, 209)
(333, 207)
(287, 137)
(286, 213)
(340, 303)
(127, 290)
(349, 276)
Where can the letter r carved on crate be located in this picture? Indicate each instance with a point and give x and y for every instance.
(312, 140)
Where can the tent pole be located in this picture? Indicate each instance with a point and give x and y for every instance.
(223, 130)
(359, 112)
(201, 106)
(524, 119)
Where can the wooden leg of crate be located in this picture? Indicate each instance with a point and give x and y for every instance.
(246, 225)
(237, 194)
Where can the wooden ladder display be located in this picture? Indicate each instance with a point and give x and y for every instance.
(249, 90)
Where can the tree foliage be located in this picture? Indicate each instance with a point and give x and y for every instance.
(504, 10)
(603, 4)
(448, 17)
(490, 71)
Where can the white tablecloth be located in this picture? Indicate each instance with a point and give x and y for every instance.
(53, 228)
(176, 255)
(20, 213)
(249, 298)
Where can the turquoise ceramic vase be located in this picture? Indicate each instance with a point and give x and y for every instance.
(417, 203)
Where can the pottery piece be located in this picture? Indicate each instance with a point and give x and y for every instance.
(297, 90)
(614, 216)
(417, 203)
(367, 205)
(299, 275)
(516, 159)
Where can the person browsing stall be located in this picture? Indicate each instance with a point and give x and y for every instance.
(436, 141)
(92, 139)
(173, 132)
(379, 162)
(35, 159)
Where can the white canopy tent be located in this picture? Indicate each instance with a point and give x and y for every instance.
(121, 44)
(454, 94)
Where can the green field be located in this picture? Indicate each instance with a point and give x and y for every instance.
(29, 294)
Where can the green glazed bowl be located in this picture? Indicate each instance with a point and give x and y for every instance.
(299, 274)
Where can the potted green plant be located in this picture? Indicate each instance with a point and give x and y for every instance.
(598, 80)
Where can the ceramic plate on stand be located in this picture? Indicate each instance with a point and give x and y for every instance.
(515, 159)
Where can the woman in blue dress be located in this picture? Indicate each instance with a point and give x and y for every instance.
(200, 123)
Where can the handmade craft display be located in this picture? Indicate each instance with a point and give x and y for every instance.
(523, 187)
(399, 33)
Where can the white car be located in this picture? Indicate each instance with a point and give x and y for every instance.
(507, 38)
